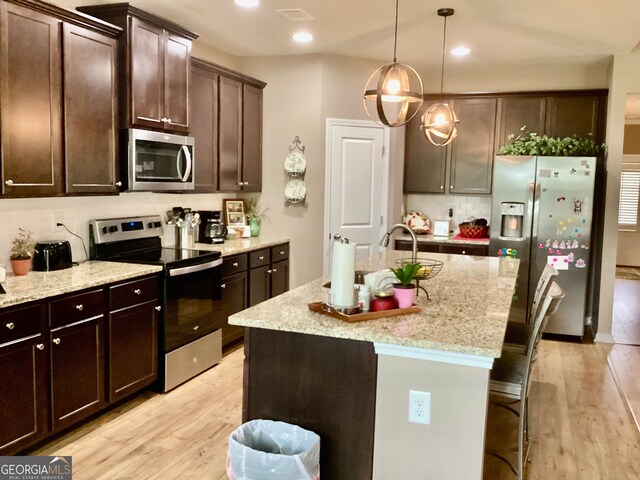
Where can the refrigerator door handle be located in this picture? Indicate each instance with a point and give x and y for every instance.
(535, 190)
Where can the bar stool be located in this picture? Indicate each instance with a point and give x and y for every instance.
(511, 378)
(517, 334)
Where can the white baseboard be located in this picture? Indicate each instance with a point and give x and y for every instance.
(604, 338)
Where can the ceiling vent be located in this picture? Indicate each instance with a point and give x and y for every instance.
(295, 14)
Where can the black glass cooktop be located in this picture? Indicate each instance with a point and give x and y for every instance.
(169, 257)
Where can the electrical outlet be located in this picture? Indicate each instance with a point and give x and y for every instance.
(57, 218)
(419, 407)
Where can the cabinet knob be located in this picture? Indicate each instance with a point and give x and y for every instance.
(158, 308)
(235, 264)
(223, 286)
(40, 346)
(281, 252)
(10, 325)
(464, 252)
(195, 329)
(79, 307)
(441, 187)
(118, 184)
(245, 183)
(163, 120)
(269, 271)
(451, 186)
(168, 120)
(261, 257)
(240, 183)
(9, 182)
(274, 270)
(137, 291)
(56, 341)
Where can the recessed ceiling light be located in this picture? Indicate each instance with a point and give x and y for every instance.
(460, 51)
(247, 3)
(302, 37)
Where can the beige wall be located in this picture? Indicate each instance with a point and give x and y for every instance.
(631, 144)
(451, 447)
(624, 78)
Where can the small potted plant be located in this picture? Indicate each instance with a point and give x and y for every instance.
(255, 215)
(404, 291)
(21, 252)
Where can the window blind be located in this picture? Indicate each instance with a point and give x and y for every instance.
(629, 196)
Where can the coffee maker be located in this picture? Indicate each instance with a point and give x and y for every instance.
(212, 230)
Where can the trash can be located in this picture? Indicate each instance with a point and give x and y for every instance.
(269, 450)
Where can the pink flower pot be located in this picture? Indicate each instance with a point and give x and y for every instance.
(404, 295)
(21, 267)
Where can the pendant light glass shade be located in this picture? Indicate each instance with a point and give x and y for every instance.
(440, 122)
(393, 93)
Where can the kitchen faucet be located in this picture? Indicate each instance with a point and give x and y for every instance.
(384, 241)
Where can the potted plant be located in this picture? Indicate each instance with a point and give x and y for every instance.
(255, 215)
(404, 291)
(21, 252)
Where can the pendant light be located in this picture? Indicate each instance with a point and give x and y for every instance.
(440, 122)
(393, 94)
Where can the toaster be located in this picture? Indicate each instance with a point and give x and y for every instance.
(51, 255)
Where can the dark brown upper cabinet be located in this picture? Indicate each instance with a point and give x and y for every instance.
(90, 132)
(465, 166)
(226, 109)
(58, 92)
(31, 89)
(155, 67)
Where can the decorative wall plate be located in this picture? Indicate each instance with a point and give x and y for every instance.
(295, 163)
(295, 191)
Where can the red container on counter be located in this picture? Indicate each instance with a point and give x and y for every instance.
(379, 304)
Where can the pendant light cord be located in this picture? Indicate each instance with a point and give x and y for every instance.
(395, 34)
(444, 42)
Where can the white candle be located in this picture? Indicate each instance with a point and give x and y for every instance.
(343, 273)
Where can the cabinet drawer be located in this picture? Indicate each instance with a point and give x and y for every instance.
(233, 265)
(259, 258)
(20, 322)
(280, 252)
(132, 293)
(479, 250)
(76, 307)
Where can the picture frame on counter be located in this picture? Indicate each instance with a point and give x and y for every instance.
(234, 212)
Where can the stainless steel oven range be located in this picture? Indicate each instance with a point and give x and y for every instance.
(190, 338)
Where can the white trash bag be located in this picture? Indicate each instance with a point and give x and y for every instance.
(268, 450)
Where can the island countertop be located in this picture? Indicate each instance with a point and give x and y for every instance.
(467, 312)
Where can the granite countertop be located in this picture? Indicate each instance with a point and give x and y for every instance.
(430, 238)
(39, 285)
(467, 313)
(242, 245)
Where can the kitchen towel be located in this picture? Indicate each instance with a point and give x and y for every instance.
(343, 272)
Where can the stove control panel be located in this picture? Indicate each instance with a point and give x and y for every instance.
(126, 228)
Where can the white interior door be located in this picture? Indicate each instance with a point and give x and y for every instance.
(356, 185)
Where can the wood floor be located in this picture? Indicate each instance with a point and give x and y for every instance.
(585, 410)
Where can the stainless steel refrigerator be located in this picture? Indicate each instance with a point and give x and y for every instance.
(541, 213)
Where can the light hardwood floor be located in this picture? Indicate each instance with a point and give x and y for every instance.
(581, 427)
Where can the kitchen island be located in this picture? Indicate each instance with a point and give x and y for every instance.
(350, 382)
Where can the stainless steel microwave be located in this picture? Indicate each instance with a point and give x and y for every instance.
(158, 162)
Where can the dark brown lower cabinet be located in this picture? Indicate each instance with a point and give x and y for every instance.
(23, 397)
(279, 277)
(327, 385)
(235, 289)
(454, 248)
(56, 365)
(259, 285)
(133, 353)
(77, 371)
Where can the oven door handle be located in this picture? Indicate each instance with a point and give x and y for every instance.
(174, 272)
(187, 155)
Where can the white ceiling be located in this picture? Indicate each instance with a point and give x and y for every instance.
(500, 33)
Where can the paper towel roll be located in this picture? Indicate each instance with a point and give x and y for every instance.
(343, 272)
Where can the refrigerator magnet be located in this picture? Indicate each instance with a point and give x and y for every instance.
(580, 263)
(561, 199)
(577, 206)
(572, 171)
(559, 262)
(570, 257)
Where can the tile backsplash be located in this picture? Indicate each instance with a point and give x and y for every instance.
(36, 215)
(436, 207)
